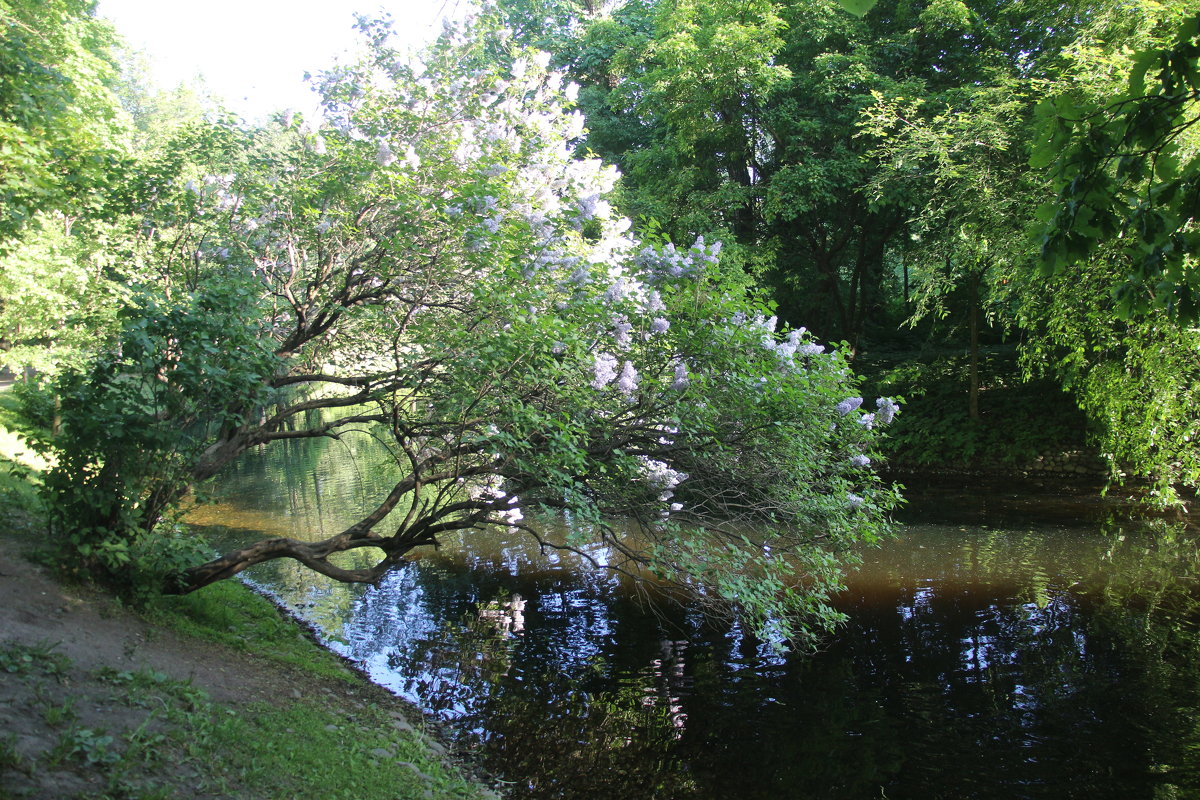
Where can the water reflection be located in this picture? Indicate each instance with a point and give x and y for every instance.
(1051, 660)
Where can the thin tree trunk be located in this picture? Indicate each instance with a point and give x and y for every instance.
(974, 324)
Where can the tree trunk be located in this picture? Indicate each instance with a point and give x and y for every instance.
(974, 356)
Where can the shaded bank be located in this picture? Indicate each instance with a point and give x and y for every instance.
(100, 701)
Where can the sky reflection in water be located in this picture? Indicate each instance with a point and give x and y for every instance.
(1043, 659)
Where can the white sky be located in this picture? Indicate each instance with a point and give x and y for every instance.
(253, 53)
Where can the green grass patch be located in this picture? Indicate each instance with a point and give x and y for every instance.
(22, 659)
(294, 749)
(305, 751)
(230, 613)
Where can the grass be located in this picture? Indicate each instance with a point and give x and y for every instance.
(231, 614)
(121, 734)
(173, 741)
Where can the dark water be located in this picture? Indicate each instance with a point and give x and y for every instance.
(1004, 646)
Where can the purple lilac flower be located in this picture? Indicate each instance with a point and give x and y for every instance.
(628, 381)
(887, 410)
(681, 377)
(605, 370)
(848, 405)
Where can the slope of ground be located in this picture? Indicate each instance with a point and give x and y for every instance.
(97, 701)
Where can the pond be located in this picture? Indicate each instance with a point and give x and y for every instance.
(1003, 646)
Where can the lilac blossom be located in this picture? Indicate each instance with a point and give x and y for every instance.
(848, 405)
(605, 370)
(384, 156)
(681, 377)
(867, 421)
(659, 325)
(628, 382)
(860, 460)
(616, 293)
(887, 410)
(621, 332)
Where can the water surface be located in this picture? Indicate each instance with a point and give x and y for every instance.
(1003, 646)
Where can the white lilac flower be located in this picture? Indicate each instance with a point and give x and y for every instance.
(654, 302)
(848, 405)
(576, 123)
(581, 276)
(676, 507)
(605, 370)
(588, 206)
(621, 332)
(887, 410)
(659, 325)
(411, 159)
(867, 421)
(628, 382)
(860, 461)
(681, 377)
(853, 500)
(616, 293)
(811, 349)
(384, 156)
(660, 475)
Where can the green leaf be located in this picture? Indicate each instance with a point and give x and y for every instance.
(858, 8)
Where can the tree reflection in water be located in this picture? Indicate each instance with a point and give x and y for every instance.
(1038, 660)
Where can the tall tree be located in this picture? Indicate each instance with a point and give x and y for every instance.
(435, 264)
(62, 131)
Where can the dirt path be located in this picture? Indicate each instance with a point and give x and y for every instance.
(76, 667)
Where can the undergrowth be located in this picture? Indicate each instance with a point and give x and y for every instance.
(1018, 420)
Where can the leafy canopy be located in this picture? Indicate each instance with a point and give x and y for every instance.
(436, 265)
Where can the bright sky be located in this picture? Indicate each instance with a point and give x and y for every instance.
(253, 53)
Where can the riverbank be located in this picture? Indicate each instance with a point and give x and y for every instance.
(214, 695)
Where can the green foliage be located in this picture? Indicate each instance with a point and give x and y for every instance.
(134, 425)
(1137, 379)
(57, 304)
(20, 659)
(92, 748)
(1125, 165)
(1019, 421)
(62, 132)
